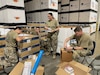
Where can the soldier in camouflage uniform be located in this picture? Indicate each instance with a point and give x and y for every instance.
(10, 51)
(43, 41)
(52, 29)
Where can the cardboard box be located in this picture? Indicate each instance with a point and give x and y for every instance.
(2, 40)
(63, 2)
(87, 17)
(18, 69)
(74, 17)
(26, 42)
(66, 56)
(65, 9)
(19, 3)
(13, 16)
(86, 30)
(92, 28)
(74, 5)
(64, 17)
(79, 69)
(51, 4)
(35, 49)
(24, 53)
(90, 4)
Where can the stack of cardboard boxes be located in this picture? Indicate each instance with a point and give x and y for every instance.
(28, 46)
(37, 10)
(12, 12)
(2, 45)
(79, 12)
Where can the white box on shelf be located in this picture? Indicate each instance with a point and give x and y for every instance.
(0, 3)
(87, 17)
(74, 5)
(92, 28)
(13, 16)
(65, 17)
(88, 4)
(65, 9)
(37, 17)
(36, 4)
(19, 3)
(86, 30)
(45, 13)
(52, 4)
(1, 17)
(63, 2)
(74, 17)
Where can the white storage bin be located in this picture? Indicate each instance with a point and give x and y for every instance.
(65, 17)
(19, 3)
(74, 5)
(87, 17)
(13, 16)
(74, 17)
(92, 28)
(88, 4)
(65, 9)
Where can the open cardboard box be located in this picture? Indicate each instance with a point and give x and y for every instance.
(18, 69)
(66, 56)
(79, 69)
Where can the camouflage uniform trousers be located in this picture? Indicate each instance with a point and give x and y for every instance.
(43, 44)
(52, 43)
(79, 53)
(10, 57)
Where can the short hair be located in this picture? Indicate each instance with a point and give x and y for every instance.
(18, 28)
(77, 29)
(50, 14)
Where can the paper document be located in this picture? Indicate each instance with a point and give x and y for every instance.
(27, 68)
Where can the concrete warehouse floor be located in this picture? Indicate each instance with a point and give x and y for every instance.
(50, 64)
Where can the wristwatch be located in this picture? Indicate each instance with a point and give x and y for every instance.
(73, 48)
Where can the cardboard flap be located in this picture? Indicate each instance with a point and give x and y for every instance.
(62, 64)
(80, 66)
(18, 69)
(61, 72)
(40, 70)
